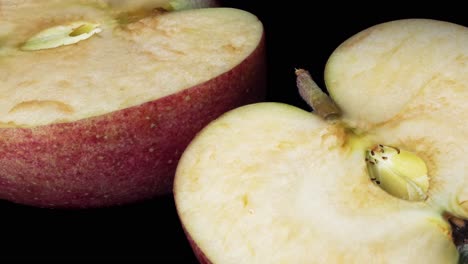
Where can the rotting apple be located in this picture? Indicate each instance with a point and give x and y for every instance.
(96, 112)
(371, 176)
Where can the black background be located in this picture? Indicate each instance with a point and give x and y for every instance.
(298, 34)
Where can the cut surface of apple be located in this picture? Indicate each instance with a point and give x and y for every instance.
(25, 17)
(103, 119)
(271, 183)
(174, 51)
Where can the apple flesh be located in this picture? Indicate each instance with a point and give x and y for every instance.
(104, 121)
(271, 183)
(22, 18)
(418, 97)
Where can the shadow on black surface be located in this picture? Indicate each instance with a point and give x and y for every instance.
(144, 231)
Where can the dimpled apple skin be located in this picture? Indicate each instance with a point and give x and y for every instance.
(124, 156)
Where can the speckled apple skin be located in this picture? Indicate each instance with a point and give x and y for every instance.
(124, 156)
(201, 257)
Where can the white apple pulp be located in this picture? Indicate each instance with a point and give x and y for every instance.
(174, 51)
(270, 183)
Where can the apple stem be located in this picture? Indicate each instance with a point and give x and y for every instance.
(320, 102)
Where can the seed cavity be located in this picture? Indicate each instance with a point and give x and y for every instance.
(61, 35)
(400, 173)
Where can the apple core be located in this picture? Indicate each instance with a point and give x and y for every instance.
(400, 173)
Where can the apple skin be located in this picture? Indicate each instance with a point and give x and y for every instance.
(124, 156)
(201, 257)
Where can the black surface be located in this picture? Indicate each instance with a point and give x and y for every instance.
(297, 36)
(138, 232)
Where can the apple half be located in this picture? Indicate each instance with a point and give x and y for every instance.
(272, 183)
(96, 111)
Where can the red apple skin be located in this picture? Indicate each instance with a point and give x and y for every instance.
(201, 257)
(124, 156)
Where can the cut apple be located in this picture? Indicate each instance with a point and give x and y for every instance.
(103, 120)
(271, 183)
(20, 19)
